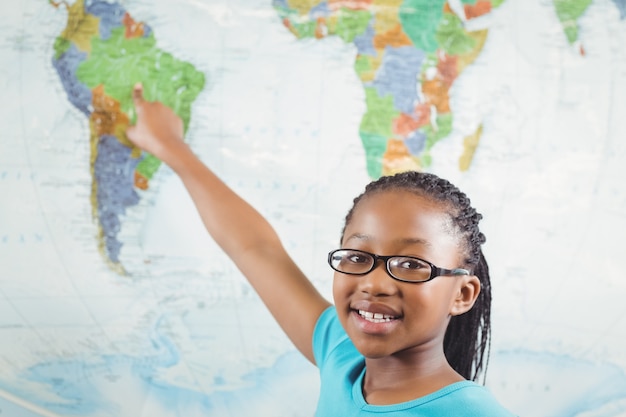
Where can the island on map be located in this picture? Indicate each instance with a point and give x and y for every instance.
(570, 11)
(99, 56)
(409, 53)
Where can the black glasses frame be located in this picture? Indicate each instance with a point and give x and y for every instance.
(435, 271)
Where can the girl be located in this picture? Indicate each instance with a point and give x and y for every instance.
(410, 323)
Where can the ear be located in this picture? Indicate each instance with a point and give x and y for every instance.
(467, 293)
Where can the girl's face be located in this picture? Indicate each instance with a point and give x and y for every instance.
(415, 315)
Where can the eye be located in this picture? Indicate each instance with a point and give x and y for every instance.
(351, 261)
(357, 258)
(409, 264)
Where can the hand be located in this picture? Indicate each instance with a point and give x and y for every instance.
(158, 129)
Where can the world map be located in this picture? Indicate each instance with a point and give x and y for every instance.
(114, 302)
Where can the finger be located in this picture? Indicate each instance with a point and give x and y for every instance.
(130, 132)
(138, 94)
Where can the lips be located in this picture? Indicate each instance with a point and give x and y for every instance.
(376, 317)
(374, 312)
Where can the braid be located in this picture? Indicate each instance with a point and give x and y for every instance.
(473, 327)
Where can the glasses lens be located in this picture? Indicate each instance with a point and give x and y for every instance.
(409, 269)
(351, 261)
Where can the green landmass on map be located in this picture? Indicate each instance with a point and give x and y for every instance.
(569, 11)
(118, 62)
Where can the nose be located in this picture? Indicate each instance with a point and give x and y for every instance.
(378, 282)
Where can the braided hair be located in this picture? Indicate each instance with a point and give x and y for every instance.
(467, 338)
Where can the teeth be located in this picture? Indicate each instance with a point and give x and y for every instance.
(375, 317)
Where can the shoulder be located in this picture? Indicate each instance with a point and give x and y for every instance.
(328, 335)
(470, 399)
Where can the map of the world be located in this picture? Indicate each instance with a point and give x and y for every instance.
(113, 300)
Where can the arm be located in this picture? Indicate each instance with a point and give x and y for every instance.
(246, 237)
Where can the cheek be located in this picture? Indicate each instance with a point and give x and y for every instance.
(437, 298)
(342, 288)
(337, 290)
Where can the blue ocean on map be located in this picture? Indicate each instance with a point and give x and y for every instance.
(83, 391)
(89, 388)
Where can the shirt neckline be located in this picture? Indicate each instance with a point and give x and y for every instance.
(359, 399)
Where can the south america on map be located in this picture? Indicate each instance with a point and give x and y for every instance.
(99, 56)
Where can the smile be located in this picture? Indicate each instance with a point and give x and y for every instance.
(376, 317)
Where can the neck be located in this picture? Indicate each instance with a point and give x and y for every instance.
(406, 376)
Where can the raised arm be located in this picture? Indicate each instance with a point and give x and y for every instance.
(246, 237)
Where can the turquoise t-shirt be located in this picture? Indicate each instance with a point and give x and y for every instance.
(342, 369)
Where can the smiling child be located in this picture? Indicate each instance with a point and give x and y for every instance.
(410, 325)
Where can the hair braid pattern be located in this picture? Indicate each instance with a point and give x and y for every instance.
(467, 338)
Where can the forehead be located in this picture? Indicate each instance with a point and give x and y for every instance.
(395, 217)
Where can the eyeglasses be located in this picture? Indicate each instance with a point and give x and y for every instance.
(401, 268)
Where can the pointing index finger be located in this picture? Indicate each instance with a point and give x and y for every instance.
(138, 93)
